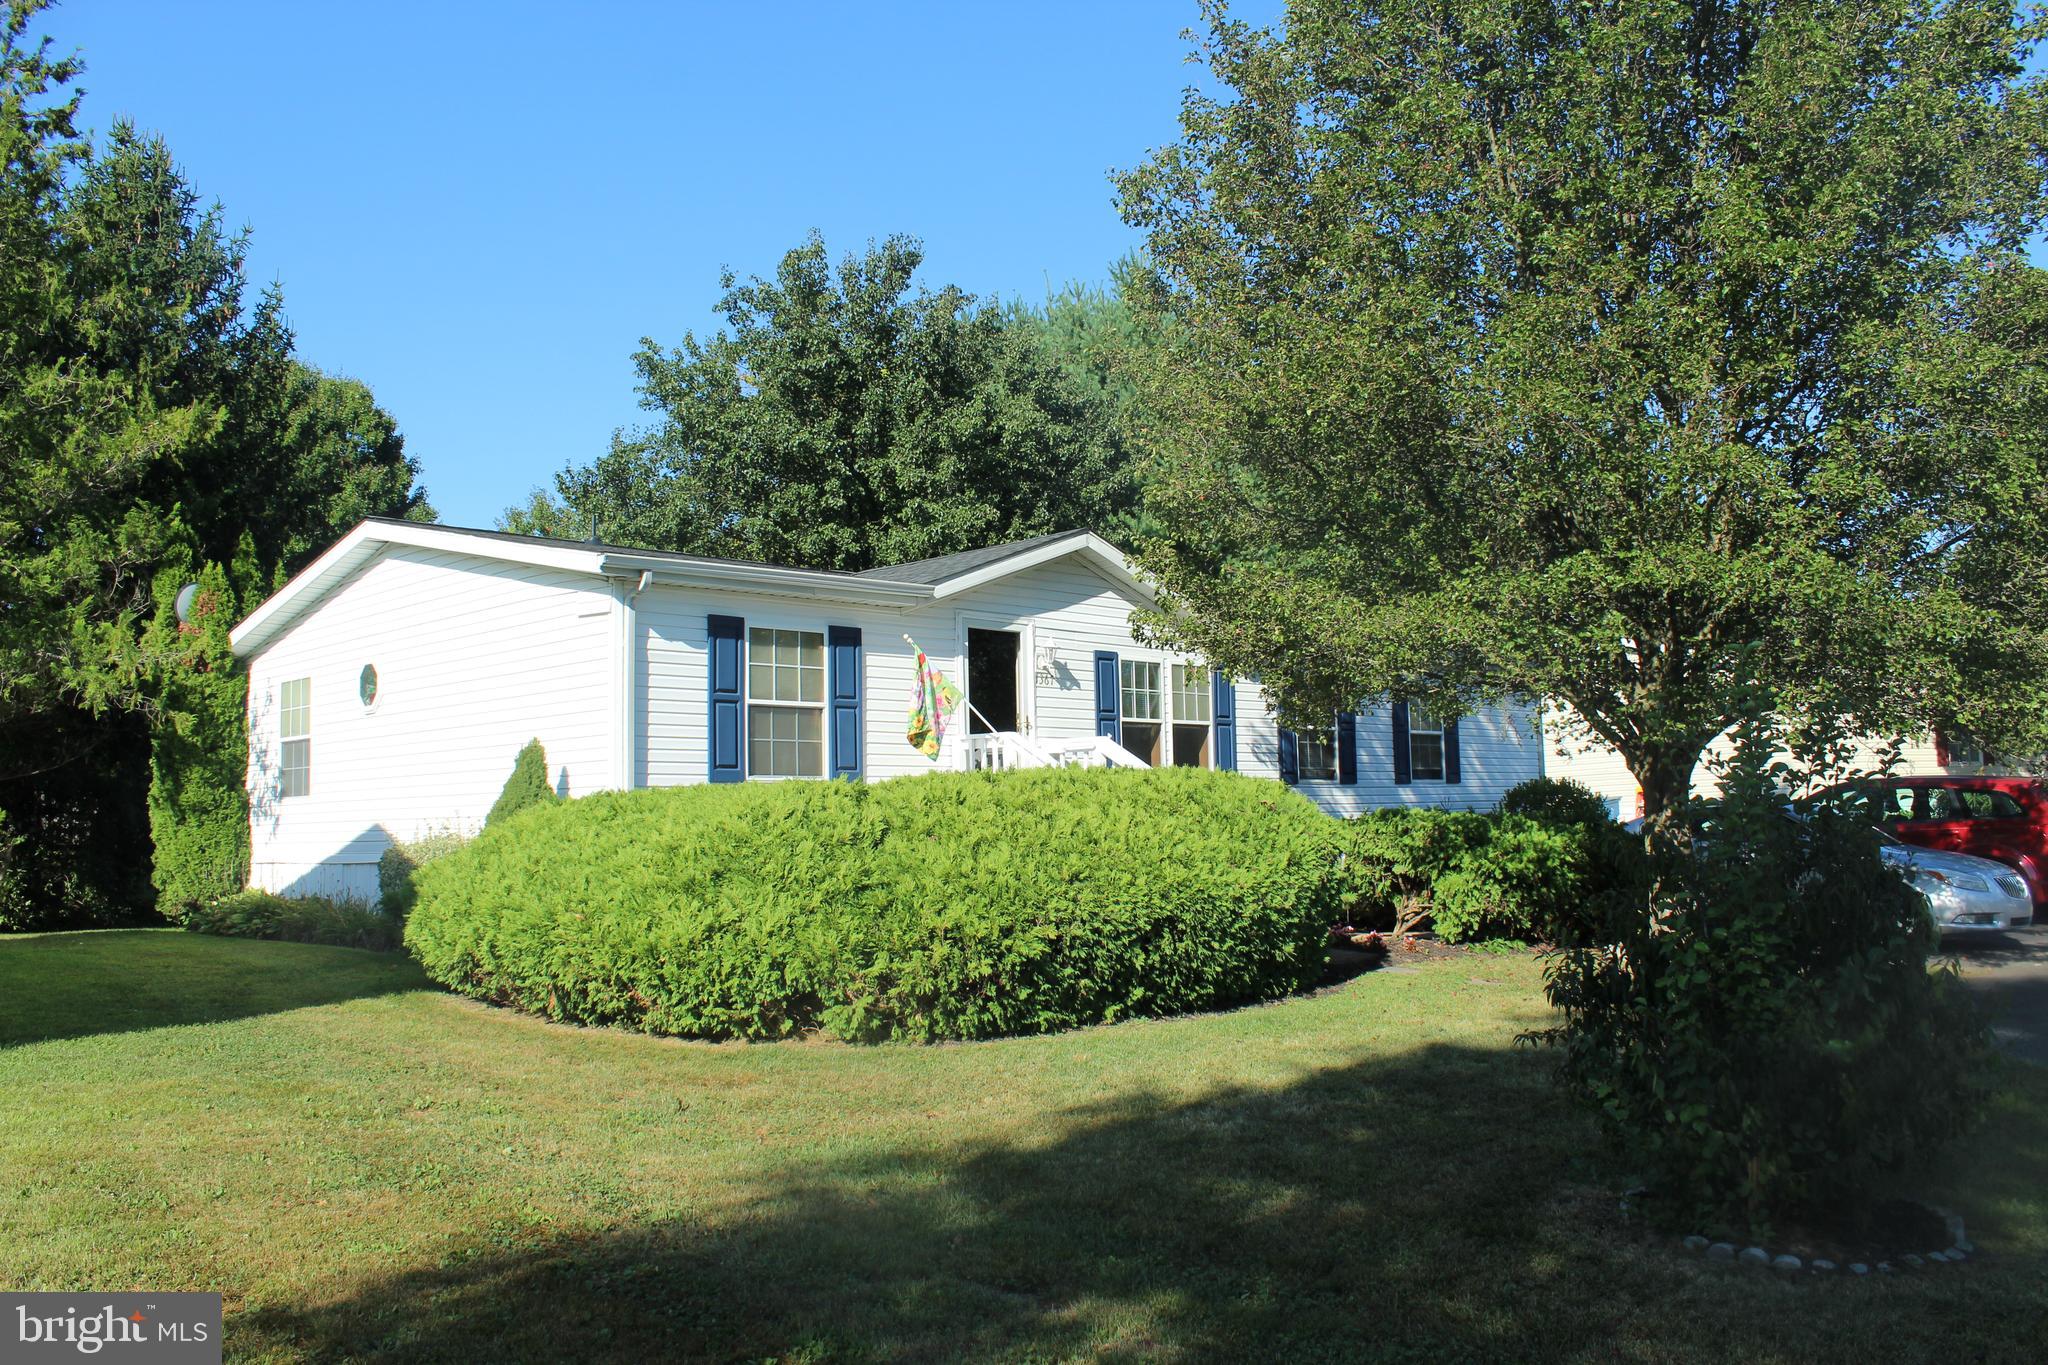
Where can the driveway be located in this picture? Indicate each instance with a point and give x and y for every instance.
(2010, 972)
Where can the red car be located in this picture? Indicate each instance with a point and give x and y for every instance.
(2002, 818)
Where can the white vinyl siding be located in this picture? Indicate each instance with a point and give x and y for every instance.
(1593, 763)
(1498, 747)
(474, 657)
(1071, 611)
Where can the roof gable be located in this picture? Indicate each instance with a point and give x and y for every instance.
(956, 573)
(896, 585)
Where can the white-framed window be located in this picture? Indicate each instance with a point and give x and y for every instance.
(1194, 702)
(1168, 711)
(295, 731)
(1144, 709)
(785, 702)
(1315, 754)
(1425, 745)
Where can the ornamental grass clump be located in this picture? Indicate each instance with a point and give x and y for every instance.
(1756, 1021)
(952, 906)
(294, 919)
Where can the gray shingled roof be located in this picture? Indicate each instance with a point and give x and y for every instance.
(942, 567)
(606, 547)
(927, 572)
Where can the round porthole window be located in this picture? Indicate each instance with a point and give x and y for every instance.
(366, 686)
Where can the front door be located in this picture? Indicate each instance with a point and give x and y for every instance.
(992, 681)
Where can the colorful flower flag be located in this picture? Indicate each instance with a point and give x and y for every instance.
(930, 704)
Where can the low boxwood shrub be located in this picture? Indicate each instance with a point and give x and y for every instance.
(954, 905)
(1758, 1026)
(1465, 874)
(297, 919)
(397, 865)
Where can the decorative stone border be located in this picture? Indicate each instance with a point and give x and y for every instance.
(1959, 1250)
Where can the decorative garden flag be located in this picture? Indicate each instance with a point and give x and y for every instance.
(930, 703)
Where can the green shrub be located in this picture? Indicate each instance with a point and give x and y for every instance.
(954, 905)
(1468, 875)
(1603, 860)
(16, 905)
(398, 863)
(1393, 858)
(1556, 801)
(527, 786)
(199, 748)
(299, 919)
(1759, 1027)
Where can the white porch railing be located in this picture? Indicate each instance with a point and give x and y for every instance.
(1003, 750)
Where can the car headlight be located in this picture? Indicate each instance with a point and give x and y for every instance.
(2013, 884)
(1927, 879)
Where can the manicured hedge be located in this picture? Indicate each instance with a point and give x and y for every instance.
(954, 905)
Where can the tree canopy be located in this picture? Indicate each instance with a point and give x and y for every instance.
(1638, 355)
(153, 420)
(845, 419)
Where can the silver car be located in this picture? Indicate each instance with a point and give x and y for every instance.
(1965, 894)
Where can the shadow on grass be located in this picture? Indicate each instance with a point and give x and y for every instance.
(1254, 1222)
(70, 985)
(1431, 1205)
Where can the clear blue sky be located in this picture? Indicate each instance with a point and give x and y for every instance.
(480, 209)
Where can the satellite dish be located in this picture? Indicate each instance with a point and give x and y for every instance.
(187, 595)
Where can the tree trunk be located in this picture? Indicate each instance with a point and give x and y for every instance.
(1666, 780)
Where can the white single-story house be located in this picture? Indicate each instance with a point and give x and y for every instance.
(1597, 764)
(392, 682)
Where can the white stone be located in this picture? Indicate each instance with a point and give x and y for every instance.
(1754, 1256)
(1695, 1243)
(1823, 1265)
(1785, 1265)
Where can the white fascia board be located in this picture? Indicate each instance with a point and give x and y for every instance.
(761, 579)
(306, 589)
(1100, 555)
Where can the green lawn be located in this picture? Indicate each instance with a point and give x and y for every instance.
(367, 1167)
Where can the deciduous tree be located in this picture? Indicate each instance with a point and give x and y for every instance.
(845, 419)
(1633, 354)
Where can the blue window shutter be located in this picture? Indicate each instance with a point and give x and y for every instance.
(1404, 769)
(1347, 748)
(724, 635)
(1108, 708)
(842, 650)
(1290, 758)
(1225, 710)
(1450, 751)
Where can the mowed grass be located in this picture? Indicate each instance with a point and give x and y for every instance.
(366, 1167)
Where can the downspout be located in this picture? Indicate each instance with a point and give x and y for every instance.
(627, 764)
